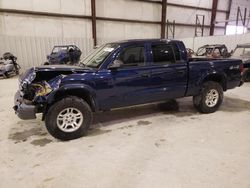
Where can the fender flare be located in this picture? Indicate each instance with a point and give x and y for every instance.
(214, 76)
(80, 90)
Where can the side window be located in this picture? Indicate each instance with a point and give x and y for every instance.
(163, 54)
(176, 52)
(132, 56)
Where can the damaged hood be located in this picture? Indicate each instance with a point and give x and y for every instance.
(48, 72)
(38, 82)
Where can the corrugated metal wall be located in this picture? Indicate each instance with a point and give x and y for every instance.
(233, 13)
(32, 51)
(27, 25)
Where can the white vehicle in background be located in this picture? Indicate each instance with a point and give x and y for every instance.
(213, 51)
(242, 51)
(9, 65)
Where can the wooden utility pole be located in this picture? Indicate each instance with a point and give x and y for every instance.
(163, 18)
(93, 19)
(213, 16)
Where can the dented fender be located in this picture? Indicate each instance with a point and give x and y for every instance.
(82, 90)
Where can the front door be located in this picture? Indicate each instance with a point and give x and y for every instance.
(130, 82)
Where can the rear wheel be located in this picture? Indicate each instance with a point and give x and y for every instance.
(210, 97)
(6, 75)
(246, 76)
(69, 118)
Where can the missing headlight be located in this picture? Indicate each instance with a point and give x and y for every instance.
(42, 89)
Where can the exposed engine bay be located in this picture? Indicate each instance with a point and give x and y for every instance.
(37, 92)
(37, 83)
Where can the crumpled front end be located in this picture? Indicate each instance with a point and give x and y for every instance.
(37, 84)
(24, 108)
(32, 95)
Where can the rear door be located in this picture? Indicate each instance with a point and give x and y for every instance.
(169, 72)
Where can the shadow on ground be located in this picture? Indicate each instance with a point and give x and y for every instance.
(172, 107)
(23, 136)
(180, 108)
(20, 135)
(235, 105)
(139, 112)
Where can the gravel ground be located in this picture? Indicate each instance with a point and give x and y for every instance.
(145, 146)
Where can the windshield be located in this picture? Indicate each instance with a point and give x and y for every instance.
(239, 52)
(95, 59)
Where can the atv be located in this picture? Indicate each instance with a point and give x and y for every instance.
(9, 65)
(66, 54)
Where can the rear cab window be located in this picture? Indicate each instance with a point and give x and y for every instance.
(163, 53)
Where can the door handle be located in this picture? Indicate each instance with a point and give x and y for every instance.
(181, 72)
(145, 75)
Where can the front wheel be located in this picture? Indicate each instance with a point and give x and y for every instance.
(69, 118)
(246, 76)
(210, 98)
(17, 72)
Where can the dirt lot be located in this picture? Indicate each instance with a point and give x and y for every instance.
(134, 147)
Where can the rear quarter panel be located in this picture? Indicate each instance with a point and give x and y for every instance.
(228, 69)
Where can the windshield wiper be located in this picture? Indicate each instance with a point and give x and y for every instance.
(81, 64)
(84, 65)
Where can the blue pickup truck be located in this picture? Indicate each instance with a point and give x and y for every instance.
(122, 74)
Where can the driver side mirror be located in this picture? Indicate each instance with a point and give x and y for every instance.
(115, 64)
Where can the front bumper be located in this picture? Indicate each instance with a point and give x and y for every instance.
(23, 110)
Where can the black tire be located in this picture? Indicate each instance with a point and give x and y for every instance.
(46, 63)
(201, 103)
(17, 72)
(58, 107)
(246, 76)
(169, 105)
(6, 75)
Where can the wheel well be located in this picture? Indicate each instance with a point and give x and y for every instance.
(217, 78)
(86, 96)
(78, 93)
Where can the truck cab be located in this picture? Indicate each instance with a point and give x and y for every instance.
(146, 69)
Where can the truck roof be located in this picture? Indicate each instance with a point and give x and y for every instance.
(131, 41)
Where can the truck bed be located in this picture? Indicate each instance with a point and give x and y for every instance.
(201, 67)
